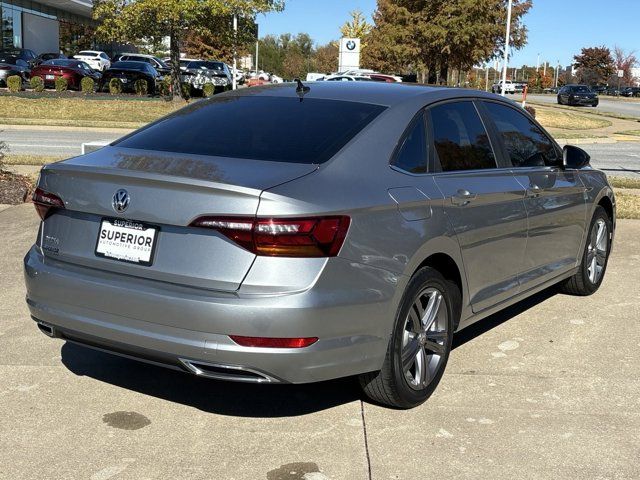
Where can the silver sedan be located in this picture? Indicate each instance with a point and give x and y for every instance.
(352, 232)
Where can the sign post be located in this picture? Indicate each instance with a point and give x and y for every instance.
(349, 58)
(620, 75)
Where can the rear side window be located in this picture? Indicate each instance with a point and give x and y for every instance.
(459, 137)
(412, 155)
(525, 142)
(277, 129)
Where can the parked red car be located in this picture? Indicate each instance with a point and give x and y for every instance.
(73, 70)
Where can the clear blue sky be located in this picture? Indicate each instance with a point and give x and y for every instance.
(557, 28)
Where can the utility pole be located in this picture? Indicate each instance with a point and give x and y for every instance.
(538, 63)
(257, 42)
(235, 55)
(557, 74)
(486, 77)
(506, 49)
(545, 69)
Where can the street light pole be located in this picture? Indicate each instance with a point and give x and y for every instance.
(235, 59)
(506, 49)
(538, 64)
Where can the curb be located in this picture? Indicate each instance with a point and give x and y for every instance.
(65, 128)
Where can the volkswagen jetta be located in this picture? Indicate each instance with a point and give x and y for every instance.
(351, 234)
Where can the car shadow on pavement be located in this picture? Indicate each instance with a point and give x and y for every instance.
(246, 400)
(492, 321)
(213, 396)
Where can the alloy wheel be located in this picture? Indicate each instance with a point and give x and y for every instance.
(597, 250)
(424, 338)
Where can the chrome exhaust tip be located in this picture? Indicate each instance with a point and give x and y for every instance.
(234, 373)
(47, 329)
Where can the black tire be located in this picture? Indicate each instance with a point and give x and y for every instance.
(389, 386)
(580, 284)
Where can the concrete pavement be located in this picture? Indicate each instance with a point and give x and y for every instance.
(548, 389)
(619, 107)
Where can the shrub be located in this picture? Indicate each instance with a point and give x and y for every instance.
(14, 82)
(164, 88)
(87, 85)
(37, 84)
(115, 86)
(61, 84)
(208, 90)
(531, 110)
(141, 87)
(186, 90)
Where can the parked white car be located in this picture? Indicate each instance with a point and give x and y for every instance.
(345, 78)
(96, 59)
(509, 87)
(313, 76)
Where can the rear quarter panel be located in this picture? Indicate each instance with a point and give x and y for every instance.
(356, 182)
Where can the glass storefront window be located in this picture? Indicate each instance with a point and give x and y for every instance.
(11, 28)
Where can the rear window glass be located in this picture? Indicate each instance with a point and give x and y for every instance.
(261, 128)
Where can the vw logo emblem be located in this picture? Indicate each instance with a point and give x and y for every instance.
(351, 45)
(120, 201)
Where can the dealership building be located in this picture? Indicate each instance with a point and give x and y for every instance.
(46, 25)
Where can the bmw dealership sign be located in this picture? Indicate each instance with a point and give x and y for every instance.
(349, 54)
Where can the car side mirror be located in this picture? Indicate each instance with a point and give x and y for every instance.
(574, 157)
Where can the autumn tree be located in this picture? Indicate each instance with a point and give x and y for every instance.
(217, 40)
(135, 20)
(594, 65)
(326, 58)
(626, 62)
(357, 27)
(435, 36)
(287, 55)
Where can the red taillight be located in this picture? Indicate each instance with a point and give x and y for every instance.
(282, 237)
(45, 202)
(267, 342)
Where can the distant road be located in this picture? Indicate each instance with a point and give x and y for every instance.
(52, 142)
(622, 158)
(620, 107)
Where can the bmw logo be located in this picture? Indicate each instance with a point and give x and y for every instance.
(351, 45)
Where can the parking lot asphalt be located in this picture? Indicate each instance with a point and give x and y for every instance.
(606, 105)
(547, 389)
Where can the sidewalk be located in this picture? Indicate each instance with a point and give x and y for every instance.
(548, 389)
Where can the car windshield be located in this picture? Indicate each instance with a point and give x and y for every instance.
(279, 129)
(61, 62)
(8, 58)
(130, 65)
(214, 65)
(200, 65)
(581, 89)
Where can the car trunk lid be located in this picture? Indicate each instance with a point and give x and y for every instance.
(167, 191)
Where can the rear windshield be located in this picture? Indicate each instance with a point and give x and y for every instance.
(261, 128)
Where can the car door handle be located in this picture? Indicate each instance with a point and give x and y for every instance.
(533, 191)
(463, 197)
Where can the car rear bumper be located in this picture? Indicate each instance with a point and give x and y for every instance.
(352, 325)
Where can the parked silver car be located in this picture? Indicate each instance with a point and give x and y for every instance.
(351, 234)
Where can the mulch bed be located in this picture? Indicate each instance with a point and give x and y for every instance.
(14, 189)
